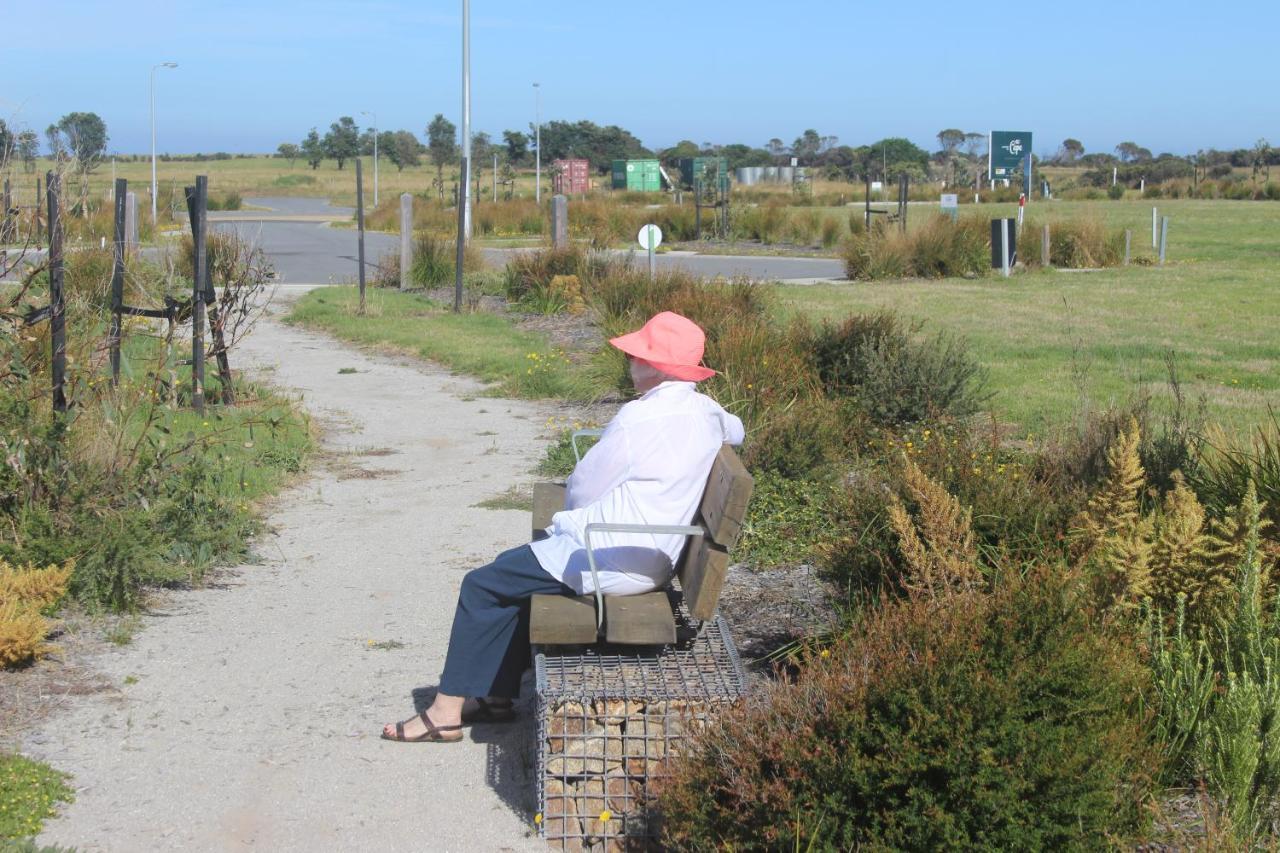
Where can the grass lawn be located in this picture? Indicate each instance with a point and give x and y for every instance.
(487, 346)
(1050, 337)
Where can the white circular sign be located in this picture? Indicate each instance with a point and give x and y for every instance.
(647, 233)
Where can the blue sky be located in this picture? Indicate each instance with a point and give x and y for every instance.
(1172, 76)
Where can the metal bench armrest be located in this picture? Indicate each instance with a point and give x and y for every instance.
(606, 527)
(573, 440)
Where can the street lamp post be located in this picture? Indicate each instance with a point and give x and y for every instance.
(537, 143)
(464, 196)
(153, 134)
(375, 153)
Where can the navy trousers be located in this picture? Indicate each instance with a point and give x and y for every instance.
(489, 644)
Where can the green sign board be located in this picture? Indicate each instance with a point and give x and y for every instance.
(1009, 151)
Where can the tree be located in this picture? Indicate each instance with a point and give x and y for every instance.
(598, 145)
(28, 149)
(86, 136)
(975, 144)
(1131, 152)
(342, 142)
(683, 148)
(517, 145)
(894, 155)
(1261, 160)
(950, 139)
(806, 147)
(1071, 150)
(288, 151)
(776, 147)
(7, 144)
(366, 143)
(442, 145)
(401, 148)
(57, 149)
(312, 149)
(481, 148)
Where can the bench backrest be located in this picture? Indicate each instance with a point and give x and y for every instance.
(705, 561)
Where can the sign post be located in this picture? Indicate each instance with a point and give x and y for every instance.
(951, 205)
(650, 238)
(1007, 151)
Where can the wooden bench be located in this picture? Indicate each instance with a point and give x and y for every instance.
(649, 618)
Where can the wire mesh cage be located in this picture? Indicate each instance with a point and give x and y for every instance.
(609, 721)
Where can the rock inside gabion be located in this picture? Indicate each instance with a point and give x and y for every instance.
(599, 757)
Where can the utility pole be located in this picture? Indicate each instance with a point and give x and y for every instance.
(153, 135)
(537, 143)
(465, 187)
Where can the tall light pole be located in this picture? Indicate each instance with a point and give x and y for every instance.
(375, 153)
(537, 143)
(465, 189)
(153, 134)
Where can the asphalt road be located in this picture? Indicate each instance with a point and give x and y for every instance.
(317, 253)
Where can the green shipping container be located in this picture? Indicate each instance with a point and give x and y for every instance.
(637, 175)
(692, 168)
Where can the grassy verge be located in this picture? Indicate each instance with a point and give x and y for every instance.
(487, 346)
(1054, 341)
(29, 793)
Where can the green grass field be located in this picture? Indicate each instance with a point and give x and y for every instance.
(1054, 339)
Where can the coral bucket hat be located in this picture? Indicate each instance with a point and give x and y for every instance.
(671, 343)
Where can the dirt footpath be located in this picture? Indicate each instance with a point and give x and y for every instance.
(246, 715)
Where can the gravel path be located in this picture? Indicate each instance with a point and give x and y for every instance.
(246, 715)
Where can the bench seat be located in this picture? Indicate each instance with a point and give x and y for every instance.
(650, 618)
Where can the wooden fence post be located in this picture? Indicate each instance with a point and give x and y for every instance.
(197, 204)
(360, 228)
(462, 244)
(57, 303)
(117, 276)
(6, 228)
(406, 238)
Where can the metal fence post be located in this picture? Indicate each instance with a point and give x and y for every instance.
(1164, 236)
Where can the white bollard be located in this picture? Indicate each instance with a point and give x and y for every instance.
(406, 238)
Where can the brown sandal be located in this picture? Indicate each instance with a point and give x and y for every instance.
(433, 734)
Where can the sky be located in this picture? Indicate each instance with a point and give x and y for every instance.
(1170, 76)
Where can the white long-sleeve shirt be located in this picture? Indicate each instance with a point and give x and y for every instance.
(649, 467)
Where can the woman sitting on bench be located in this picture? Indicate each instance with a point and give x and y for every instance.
(649, 467)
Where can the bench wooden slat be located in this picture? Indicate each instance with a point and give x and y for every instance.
(703, 570)
(642, 620)
(548, 499)
(724, 502)
(562, 619)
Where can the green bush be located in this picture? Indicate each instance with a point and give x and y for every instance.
(806, 437)
(1115, 192)
(938, 249)
(787, 520)
(1010, 721)
(435, 260)
(894, 375)
(1218, 706)
(529, 272)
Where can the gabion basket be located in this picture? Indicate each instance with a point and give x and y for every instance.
(610, 719)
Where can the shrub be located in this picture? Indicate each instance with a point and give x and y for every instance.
(1073, 244)
(830, 232)
(1008, 721)
(1218, 700)
(1227, 467)
(805, 438)
(1115, 192)
(895, 376)
(787, 520)
(26, 593)
(435, 260)
(530, 272)
(938, 249)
